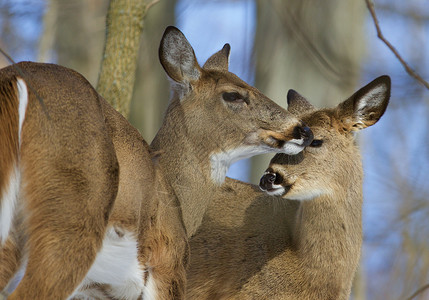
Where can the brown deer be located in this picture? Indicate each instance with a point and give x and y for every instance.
(87, 209)
(303, 239)
(81, 197)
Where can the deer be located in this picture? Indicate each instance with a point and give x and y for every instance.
(81, 200)
(297, 235)
(88, 208)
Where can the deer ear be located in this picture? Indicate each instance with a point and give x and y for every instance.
(220, 60)
(178, 58)
(366, 106)
(297, 104)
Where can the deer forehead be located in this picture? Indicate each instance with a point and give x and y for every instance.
(326, 123)
(322, 119)
(223, 81)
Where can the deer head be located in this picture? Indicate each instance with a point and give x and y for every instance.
(331, 162)
(217, 114)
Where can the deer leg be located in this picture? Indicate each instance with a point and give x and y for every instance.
(68, 213)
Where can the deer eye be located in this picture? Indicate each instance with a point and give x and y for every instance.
(234, 97)
(316, 143)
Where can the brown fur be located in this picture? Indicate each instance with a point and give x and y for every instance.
(9, 255)
(8, 123)
(57, 177)
(254, 246)
(69, 163)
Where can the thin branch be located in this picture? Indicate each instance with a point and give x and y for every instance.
(420, 290)
(288, 20)
(149, 5)
(21, 73)
(380, 35)
(7, 56)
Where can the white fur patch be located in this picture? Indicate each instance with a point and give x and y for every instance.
(116, 265)
(293, 147)
(8, 200)
(149, 291)
(23, 103)
(372, 98)
(220, 161)
(306, 195)
(276, 190)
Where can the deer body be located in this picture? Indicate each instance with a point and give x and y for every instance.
(303, 240)
(98, 214)
(214, 118)
(56, 169)
(87, 191)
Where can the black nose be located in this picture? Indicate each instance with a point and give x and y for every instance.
(266, 182)
(305, 133)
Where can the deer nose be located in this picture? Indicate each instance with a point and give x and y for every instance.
(267, 181)
(303, 132)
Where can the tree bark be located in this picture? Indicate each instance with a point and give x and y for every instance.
(124, 25)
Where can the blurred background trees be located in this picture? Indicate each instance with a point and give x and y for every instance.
(323, 49)
(311, 46)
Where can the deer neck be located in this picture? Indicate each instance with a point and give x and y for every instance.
(186, 165)
(328, 235)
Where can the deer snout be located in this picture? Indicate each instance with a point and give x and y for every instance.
(267, 181)
(303, 132)
(271, 183)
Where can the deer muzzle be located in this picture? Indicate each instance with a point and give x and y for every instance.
(304, 133)
(272, 184)
(291, 142)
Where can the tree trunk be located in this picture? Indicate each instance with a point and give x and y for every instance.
(152, 89)
(124, 25)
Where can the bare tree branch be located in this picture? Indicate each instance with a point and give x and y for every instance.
(7, 56)
(412, 13)
(380, 35)
(21, 73)
(420, 290)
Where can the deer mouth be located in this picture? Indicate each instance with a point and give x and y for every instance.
(271, 183)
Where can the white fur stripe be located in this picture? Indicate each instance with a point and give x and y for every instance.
(149, 291)
(10, 193)
(23, 102)
(8, 203)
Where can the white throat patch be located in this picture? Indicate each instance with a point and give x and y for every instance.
(221, 161)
